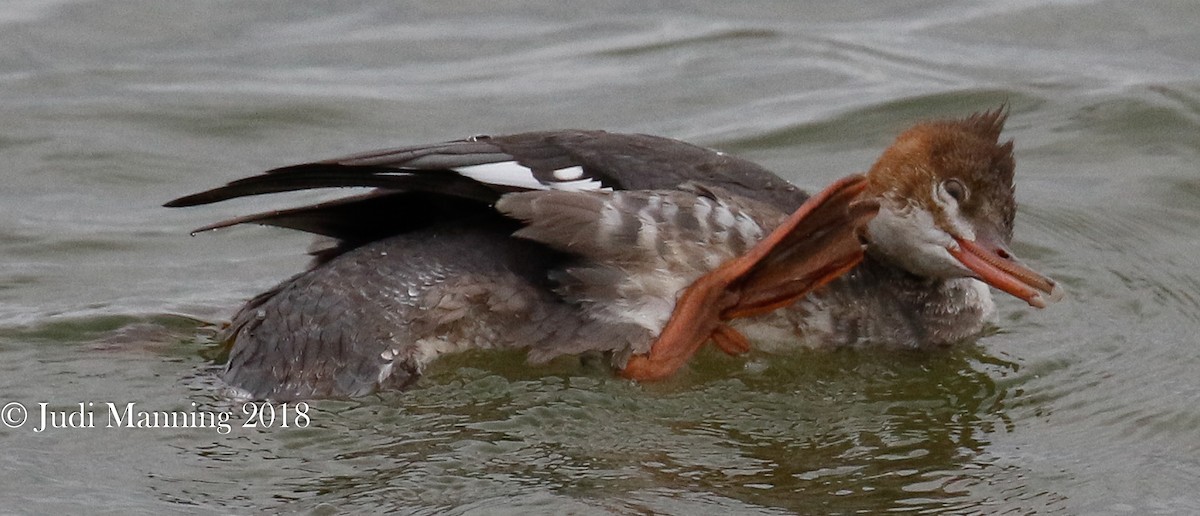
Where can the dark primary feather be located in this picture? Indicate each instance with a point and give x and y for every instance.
(417, 185)
(310, 176)
(618, 161)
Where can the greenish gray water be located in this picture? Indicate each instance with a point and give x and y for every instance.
(109, 109)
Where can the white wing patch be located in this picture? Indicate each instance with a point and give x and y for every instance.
(504, 173)
(569, 174)
(511, 173)
(579, 186)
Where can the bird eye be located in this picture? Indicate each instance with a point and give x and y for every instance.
(956, 189)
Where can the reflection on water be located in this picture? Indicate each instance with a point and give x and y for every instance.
(835, 431)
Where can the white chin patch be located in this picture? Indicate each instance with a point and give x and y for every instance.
(910, 239)
(511, 173)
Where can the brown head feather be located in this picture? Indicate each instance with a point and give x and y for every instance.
(967, 150)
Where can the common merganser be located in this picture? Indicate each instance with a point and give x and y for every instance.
(641, 247)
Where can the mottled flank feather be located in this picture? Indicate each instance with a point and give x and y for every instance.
(636, 251)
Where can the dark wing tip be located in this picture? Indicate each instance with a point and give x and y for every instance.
(196, 199)
(292, 178)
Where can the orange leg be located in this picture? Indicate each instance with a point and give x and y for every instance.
(814, 246)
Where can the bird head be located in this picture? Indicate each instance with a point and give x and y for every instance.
(946, 206)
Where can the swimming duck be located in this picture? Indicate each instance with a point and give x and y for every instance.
(640, 247)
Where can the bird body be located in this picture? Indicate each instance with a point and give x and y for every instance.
(640, 247)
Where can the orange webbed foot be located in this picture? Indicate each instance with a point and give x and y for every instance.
(732, 342)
